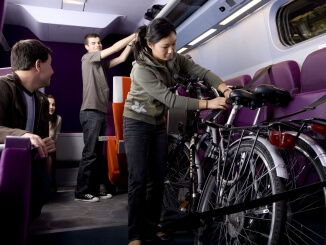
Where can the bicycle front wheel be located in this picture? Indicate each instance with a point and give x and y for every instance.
(176, 186)
(243, 177)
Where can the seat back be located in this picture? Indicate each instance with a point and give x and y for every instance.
(15, 178)
(313, 87)
(121, 87)
(313, 72)
(245, 116)
(265, 77)
(240, 120)
(117, 162)
(5, 71)
(286, 75)
(241, 80)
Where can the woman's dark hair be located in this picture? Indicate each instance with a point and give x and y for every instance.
(25, 53)
(53, 117)
(157, 30)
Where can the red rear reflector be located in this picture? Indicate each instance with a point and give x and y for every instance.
(321, 129)
(282, 140)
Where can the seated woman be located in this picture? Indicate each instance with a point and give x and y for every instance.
(54, 130)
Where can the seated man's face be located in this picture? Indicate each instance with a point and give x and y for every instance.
(45, 72)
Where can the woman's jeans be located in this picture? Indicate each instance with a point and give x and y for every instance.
(146, 150)
(94, 124)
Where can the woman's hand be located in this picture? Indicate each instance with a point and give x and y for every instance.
(217, 103)
(225, 90)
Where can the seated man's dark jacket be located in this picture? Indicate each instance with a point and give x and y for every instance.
(13, 117)
(13, 111)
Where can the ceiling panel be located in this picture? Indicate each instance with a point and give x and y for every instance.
(49, 22)
(191, 17)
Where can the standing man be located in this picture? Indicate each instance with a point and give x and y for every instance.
(24, 111)
(93, 112)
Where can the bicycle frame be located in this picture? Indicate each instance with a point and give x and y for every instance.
(211, 131)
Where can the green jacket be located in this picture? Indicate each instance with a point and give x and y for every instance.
(149, 98)
(13, 109)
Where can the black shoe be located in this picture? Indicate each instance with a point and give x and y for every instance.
(104, 195)
(86, 198)
(164, 237)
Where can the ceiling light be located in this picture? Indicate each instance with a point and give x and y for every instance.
(78, 2)
(206, 34)
(181, 50)
(239, 12)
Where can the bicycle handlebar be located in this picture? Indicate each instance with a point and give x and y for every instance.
(254, 99)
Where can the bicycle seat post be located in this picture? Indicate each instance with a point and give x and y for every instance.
(257, 116)
(233, 114)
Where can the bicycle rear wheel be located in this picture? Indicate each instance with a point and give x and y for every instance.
(306, 213)
(242, 178)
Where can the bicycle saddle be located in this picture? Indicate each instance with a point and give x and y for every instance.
(244, 98)
(267, 93)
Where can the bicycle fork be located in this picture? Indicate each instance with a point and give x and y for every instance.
(192, 168)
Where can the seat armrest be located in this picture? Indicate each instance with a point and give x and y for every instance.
(103, 138)
(17, 142)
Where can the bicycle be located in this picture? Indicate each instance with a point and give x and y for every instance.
(299, 149)
(177, 181)
(177, 184)
(300, 144)
(302, 160)
(306, 165)
(264, 157)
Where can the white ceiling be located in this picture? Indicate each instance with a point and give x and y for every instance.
(53, 20)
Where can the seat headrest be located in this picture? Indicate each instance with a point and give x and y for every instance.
(241, 80)
(286, 75)
(313, 72)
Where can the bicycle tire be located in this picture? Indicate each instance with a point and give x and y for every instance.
(262, 225)
(305, 222)
(176, 185)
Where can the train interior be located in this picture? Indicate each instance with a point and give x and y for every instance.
(237, 50)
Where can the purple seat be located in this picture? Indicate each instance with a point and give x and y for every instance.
(241, 80)
(286, 75)
(241, 119)
(15, 174)
(313, 86)
(245, 116)
(299, 101)
(313, 72)
(5, 71)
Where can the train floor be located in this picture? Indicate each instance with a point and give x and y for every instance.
(66, 221)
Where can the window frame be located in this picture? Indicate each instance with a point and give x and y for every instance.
(296, 21)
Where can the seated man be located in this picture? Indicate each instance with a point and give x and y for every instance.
(24, 111)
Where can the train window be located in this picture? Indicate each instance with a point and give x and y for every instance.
(300, 20)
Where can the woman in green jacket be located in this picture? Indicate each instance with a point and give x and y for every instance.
(144, 121)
